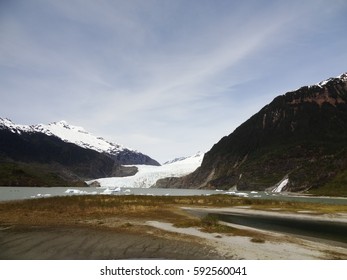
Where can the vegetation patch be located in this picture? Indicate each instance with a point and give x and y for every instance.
(35, 175)
(257, 240)
(130, 213)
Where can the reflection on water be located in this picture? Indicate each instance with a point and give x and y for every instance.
(17, 193)
(327, 230)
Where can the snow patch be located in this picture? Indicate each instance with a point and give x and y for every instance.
(198, 154)
(280, 187)
(79, 136)
(14, 128)
(342, 77)
(68, 133)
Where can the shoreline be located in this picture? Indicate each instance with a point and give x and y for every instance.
(311, 215)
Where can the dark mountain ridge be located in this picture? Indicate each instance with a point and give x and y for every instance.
(59, 154)
(301, 136)
(79, 136)
(35, 159)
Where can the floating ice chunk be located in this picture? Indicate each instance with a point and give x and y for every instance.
(242, 194)
(73, 191)
(238, 194)
(232, 192)
(111, 191)
(40, 195)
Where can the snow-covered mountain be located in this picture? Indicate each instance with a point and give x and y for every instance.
(14, 128)
(68, 145)
(342, 77)
(79, 136)
(147, 176)
(198, 154)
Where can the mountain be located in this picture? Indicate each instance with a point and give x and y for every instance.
(79, 136)
(198, 155)
(147, 176)
(59, 154)
(298, 142)
(175, 160)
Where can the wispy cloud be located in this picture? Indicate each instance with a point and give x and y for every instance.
(156, 73)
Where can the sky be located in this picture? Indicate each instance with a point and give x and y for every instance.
(165, 77)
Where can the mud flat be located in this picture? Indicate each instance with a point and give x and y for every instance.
(272, 246)
(79, 243)
(147, 227)
(161, 241)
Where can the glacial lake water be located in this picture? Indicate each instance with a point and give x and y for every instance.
(19, 193)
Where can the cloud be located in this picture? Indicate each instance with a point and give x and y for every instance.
(160, 72)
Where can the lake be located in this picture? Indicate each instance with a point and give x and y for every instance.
(18, 193)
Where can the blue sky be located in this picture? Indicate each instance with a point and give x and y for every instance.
(166, 77)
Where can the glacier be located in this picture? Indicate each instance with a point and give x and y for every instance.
(148, 175)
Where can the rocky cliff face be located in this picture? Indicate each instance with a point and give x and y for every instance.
(300, 136)
(129, 157)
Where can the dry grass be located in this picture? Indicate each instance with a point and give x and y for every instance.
(75, 209)
(128, 212)
(257, 240)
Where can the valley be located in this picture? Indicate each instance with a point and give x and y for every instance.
(275, 188)
(296, 143)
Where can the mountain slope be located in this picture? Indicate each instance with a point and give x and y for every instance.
(36, 159)
(300, 137)
(59, 154)
(79, 136)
